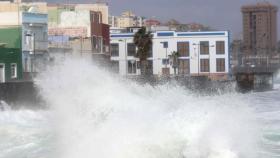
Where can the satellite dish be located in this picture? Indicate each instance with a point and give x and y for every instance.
(33, 9)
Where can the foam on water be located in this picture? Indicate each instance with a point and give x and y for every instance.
(101, 115)
(24, 133)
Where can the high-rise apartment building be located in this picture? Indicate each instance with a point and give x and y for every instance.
(260, 28)
(127, 19)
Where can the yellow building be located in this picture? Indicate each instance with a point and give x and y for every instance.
(7, 6)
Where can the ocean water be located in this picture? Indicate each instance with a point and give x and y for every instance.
(94, 114)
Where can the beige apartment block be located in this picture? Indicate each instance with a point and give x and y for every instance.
(127, 19)
(125, 22)
(128, 14)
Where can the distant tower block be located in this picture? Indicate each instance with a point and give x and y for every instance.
(260, 28)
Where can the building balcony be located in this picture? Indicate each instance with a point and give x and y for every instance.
(39, 46)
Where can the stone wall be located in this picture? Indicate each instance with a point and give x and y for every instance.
(20, 94)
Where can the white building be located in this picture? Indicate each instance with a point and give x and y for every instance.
(200, 53)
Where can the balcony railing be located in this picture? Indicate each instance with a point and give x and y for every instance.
(39, 46)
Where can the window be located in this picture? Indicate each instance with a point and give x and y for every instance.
(183, 49)
(164, 44)
(220, 47)
(114, 49)
(131, 49)
(204, 47)
(165, 61)
(131, 67)
(220, 64)
(184, 66)
(13, 70)
(204, 65)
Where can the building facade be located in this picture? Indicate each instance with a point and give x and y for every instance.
(85, 25)
(259, 28)
(8, 6)
(33, 37)
(35, 41)
(127, 19)
(200, 54)
(236, 52)
(10, 54)
(55, 11)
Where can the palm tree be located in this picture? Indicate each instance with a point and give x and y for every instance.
(143, 40)
(174, 59)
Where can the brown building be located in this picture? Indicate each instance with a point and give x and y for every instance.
(99, 33)
(260, 28)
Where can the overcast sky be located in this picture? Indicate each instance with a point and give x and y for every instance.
(219, 14)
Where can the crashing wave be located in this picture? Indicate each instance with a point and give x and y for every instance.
(4, 106)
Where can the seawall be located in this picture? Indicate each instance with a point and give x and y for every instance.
(21, 93)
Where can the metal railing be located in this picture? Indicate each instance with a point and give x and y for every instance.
(258, 64)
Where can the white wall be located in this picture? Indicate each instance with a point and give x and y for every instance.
(10, 18)
(101, 7)
(159, 52)
(123, 58)
(76, 19)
